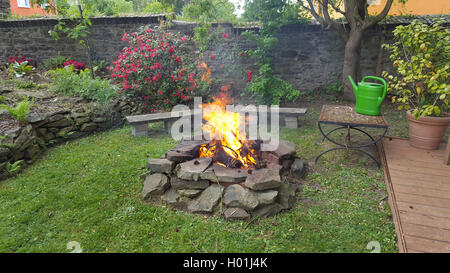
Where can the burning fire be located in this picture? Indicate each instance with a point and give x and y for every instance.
(206, 76)
(229, 145)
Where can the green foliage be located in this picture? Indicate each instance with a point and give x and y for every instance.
(156, 7)
(209, 11)
(25, 84)
(20, 69)
(66, 81)
(269, 89)
(266, 87)
(421, 58)
(20, 111)
(13, 168)
(55, 62)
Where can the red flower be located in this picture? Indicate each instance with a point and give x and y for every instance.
(224, 35)
(249, 76)
(212, 56)
(124, 36)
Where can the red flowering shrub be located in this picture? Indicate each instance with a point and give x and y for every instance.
(77, 65)
(158, 69)
(19, 60)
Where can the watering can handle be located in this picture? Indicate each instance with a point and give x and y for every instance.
(380, 99)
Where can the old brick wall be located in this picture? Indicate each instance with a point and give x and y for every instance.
(306, 55)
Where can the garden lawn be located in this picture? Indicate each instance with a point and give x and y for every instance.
(88, 191)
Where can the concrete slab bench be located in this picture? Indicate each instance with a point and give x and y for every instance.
(139, 123)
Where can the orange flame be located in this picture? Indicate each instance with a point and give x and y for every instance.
(206, 76)
(227, 132)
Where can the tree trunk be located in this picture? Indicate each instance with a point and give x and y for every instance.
(351, 62)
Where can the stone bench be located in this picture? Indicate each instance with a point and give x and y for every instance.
(139, 123)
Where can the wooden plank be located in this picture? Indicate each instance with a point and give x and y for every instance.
(427, 245)
(428, 184)
(422, 209)
(392, 199)
(401, 174)
(427, 232)
(447, 153)
(425, 220)
(421, 191)
(423, 200)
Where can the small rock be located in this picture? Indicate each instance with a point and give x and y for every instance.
(192, 169)
(207, 200)
(59, 123)
(298, 168)
(264, 179)
(158, 165)
(232, 175)
(88, 127)
(268, 210)
(236, 196)
(285, 149)
(171, 196)
(35, 117)
(286, 195)
(235, 214)
(189, 193)
(180, 184)
(154, 184)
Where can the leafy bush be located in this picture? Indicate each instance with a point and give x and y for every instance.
(20, 111)
(55, 62)
(420, 55)
(158, 69)
(66, 81)
(20, 69)
(156, 7)
(268, 89)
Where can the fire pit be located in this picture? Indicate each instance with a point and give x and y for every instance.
(227, 174)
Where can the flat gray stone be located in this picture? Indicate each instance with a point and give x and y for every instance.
(180, 184)
(235, 214)
(190, 193)
(207, 200)
(268, 210)
(238, 196)
(158, 165)
(264, 179)
(286, 195)
(88, 127)
(35, 117)
(192, 169)
(171, 196)
(230, 175)
(154, 184)
(285, 149)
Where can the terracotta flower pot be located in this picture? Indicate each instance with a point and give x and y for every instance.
(427, 132)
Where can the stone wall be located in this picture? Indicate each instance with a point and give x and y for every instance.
(306, 55)
(4, 8)
(28, 141)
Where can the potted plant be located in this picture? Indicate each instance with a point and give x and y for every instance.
(420, 83)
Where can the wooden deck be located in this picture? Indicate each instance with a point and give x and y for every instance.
(418, 183)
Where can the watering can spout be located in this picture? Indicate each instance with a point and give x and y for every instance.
(355, 88)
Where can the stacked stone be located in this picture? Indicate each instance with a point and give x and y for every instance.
(200, 186)
(27, 142)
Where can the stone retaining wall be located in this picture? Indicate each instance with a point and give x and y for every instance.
(44, 130)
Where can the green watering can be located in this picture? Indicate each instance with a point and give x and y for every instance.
(369, 96)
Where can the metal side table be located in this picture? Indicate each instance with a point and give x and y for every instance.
(345, 118)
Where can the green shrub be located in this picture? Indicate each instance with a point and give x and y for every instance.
(421, 59)
(66, 81)
(20, 111)
(55, 62)
(20, 69)
(269, 89)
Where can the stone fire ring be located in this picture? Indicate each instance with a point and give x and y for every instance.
(198, 185)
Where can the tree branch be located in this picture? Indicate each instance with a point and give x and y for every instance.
(374, 20)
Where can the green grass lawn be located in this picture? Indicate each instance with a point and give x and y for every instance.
(88, 191)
